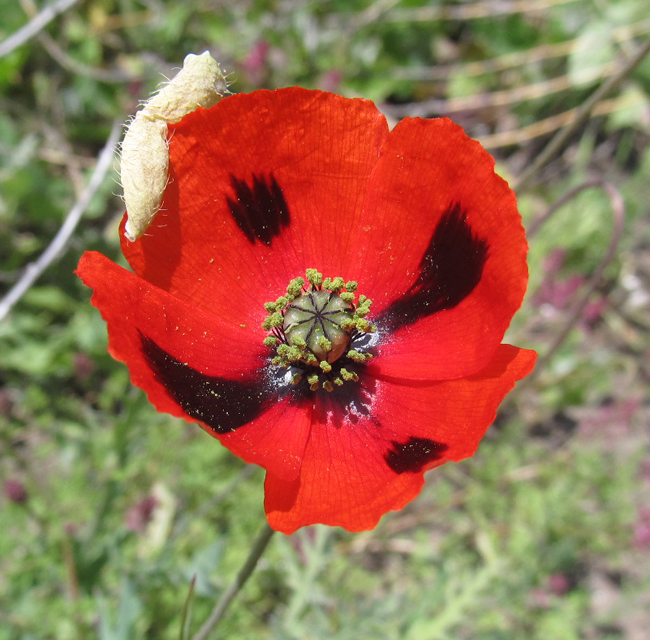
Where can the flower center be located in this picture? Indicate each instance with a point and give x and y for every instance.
(316, 330)
(316, 319)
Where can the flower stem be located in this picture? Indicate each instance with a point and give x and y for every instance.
(245, 572)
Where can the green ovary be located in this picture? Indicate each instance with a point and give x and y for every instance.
(316, 319)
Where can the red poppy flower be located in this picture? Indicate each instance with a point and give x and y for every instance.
(345, 405)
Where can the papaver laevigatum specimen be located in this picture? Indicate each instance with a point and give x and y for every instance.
(324, 296)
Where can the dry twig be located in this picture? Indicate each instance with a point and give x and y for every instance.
(472, 10)
(36, 24)
(34, 270)
(553, 123)
(494, 99)
(581, 116)
(618, 215)
(623, 35)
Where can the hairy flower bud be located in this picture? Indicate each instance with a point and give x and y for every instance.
(145, 149)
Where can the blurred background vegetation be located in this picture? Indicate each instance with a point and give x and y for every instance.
(108, 509)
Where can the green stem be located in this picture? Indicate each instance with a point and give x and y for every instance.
(245, 572)
(584, 112)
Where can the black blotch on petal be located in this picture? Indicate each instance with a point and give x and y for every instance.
(259, 208)
(413, 455)
(450, 269)
(224, 405)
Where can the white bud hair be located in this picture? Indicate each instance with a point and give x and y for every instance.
(144, 162)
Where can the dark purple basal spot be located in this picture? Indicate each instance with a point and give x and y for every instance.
(224, 405)
(414, 454)
(347, 404)
(450, 269)
(259, 208)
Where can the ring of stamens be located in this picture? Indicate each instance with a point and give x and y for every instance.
(313, 329)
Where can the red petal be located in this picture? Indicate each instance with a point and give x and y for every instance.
(210, 346)
(427, 167)
(357, 468)
(321, 150)
(276, 440)
(460, 410)
(215, 345)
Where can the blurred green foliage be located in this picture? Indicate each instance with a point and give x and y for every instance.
(537, 537)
